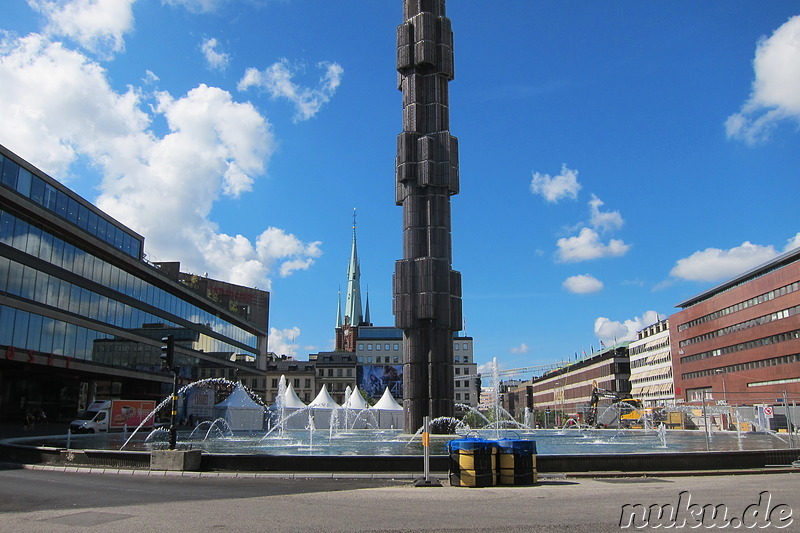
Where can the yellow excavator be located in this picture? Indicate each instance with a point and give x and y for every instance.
(632, 414)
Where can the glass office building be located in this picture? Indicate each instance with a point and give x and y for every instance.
(82, 313)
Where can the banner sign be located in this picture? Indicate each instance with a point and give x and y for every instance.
(131, 413)
(373, 380)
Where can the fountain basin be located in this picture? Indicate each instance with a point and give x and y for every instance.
(567, 451)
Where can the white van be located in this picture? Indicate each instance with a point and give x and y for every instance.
(94, 419)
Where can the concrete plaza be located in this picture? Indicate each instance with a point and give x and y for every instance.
(48, 500)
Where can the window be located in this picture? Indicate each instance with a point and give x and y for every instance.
(458, 396)
(308, 383)
(458, 371)
(386, 347)
(369, 347)
(274, 383)
(466, 396)
(465, 346)
(455, 346)
(349, 372)
(458, 383)
(396, 347)
(369, 359)
(466, 359)
(360, 358)
(339, 372)
(361, 346)
(330, 372)
(297, 383)
(458, 359)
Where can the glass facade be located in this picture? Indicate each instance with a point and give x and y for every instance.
(70, 209)
(51, 289)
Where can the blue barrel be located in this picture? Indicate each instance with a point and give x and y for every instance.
(517, 462)
(473, 463)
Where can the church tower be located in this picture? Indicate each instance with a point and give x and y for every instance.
(347, 327)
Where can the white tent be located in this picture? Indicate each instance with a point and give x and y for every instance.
(322, 407)
(292, 404)
(388, 412)
(354, 410)
(240, 411)
(356, 401)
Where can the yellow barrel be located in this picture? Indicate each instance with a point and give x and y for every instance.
(473, 463)
(517, 462)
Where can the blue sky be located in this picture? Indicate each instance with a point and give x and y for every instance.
(616, 157)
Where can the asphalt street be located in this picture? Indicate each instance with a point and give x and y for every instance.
(43, 501)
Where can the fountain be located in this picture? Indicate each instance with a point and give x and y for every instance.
(325, 436)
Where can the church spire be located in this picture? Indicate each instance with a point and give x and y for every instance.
(367, 320)
(352, 308)
(339, 309)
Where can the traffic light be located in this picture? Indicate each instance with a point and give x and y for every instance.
(168, 352)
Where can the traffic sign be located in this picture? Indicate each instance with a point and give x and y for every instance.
(768, 411)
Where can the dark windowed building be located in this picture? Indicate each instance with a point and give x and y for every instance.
(82, 314)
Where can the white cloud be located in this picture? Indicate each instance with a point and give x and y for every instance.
(714, 264)
(792, 243)
(522, 348)
(587, 245)
(583, 284)
(216, 60)
(610, 332)
(775, 94)
(277, 81)
(553, 189)
(57, 103)
(196, 6)
(59, 106)
(603, 220)
(97, 25)
(282, 341)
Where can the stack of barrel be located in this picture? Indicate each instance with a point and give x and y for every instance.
(486, 463)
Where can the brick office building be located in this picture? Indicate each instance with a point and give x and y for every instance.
(741, 339)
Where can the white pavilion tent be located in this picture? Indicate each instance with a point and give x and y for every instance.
(240, 411)
(322, 408)
(388, 412)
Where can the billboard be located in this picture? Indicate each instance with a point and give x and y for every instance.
(373, 380)
(131, 413)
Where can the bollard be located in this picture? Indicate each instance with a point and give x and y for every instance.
(426, 480)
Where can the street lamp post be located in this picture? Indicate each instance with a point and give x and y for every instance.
(724, 391)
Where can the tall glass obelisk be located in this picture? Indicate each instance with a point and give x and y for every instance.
(427, 292)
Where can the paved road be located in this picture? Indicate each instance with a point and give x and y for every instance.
(36, 501)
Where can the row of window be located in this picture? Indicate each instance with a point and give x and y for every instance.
(379, 359)
(30, 239)
(667, 374)
(749, 345)
(56, 201)
(29, 331)
(458, 396)
(761, 298)
(27, 282)
(295, 384)
(636, 350)
(395, 346)
(751, 365)
(340, 372)
(760, 321)
(647, 361)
